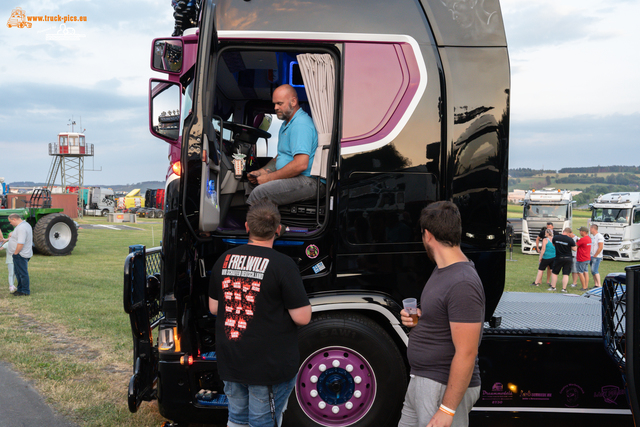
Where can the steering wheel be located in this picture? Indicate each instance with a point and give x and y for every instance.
(245, 133)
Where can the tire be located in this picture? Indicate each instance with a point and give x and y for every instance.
(349, 365)
(159, 213)
(104, 212)
(55, 234)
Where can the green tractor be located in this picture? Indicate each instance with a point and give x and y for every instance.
(54, 233)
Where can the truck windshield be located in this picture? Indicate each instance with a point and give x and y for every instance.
(546, 211)
(610, 215)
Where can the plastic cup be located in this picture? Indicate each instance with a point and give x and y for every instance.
(411, 307)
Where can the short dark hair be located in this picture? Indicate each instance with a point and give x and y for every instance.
(550, 223)
(442, 219)
(263, 219)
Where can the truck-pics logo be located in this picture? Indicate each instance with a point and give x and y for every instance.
(18, 19)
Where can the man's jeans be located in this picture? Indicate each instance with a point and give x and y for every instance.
(249, 404)
(20, 265)
(286, 191)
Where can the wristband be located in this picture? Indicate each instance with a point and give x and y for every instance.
(446, 410)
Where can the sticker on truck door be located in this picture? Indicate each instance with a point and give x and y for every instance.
(312, 251)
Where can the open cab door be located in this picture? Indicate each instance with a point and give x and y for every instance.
(200, 148)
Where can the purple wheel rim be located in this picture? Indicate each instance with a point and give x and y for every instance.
(318, 380)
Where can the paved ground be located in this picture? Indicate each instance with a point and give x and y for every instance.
(22, 406)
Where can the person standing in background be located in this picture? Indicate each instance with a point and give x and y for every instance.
(597, 245)
(583, 256)
(539, 239)
(9, 245)
(547, 256)
(24, 251)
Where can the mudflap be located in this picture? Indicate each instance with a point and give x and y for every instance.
(140, 299)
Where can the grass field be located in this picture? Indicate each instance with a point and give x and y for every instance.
(72, 339)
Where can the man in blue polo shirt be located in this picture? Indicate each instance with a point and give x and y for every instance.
(287, 177)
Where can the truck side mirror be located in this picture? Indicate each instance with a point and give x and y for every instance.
(166, 56)
(164, 109)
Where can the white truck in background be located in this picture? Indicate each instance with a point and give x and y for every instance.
(100, 201)
(541, 207)
(617, 216)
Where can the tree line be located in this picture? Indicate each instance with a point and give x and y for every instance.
(602, 169)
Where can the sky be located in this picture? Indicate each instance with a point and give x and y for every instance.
(575, 98)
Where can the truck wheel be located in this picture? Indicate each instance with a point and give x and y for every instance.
(105, 212)
(352, 375)
(55, 234)
(159, 213)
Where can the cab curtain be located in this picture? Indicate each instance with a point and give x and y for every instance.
(318, 75)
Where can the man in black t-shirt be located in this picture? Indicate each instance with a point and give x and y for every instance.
(260, 299)
(565, 246)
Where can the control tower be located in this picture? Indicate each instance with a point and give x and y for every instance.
(68, 158)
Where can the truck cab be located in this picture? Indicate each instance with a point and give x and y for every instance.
(541, 207)
(617, 216)
(411, 103)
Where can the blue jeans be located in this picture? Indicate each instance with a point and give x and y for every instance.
(595, 265)
(286, 191)
(249, 404)
(21, 269)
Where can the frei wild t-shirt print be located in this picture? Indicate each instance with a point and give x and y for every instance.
(241, 279)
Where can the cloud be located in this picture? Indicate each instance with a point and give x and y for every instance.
(117, 125)
(575, 141)
(546, 24)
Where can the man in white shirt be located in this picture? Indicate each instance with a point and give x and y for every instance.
(23, 234)
(597, 245)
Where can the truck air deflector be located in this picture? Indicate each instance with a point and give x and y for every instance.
(372, 117)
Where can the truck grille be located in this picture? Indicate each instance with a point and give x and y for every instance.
(612, 239)
(613, 254)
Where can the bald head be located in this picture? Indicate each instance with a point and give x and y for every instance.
(285, 102)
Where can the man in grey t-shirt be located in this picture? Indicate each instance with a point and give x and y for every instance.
(23, 234)
(443, 346)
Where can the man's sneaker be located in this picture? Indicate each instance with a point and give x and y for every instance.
(564, 291)
(551, 288)
(19, 294)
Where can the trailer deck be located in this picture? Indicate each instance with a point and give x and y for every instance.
(526, 313)
(547, 359)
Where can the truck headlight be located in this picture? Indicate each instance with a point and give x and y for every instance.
(625, 247)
